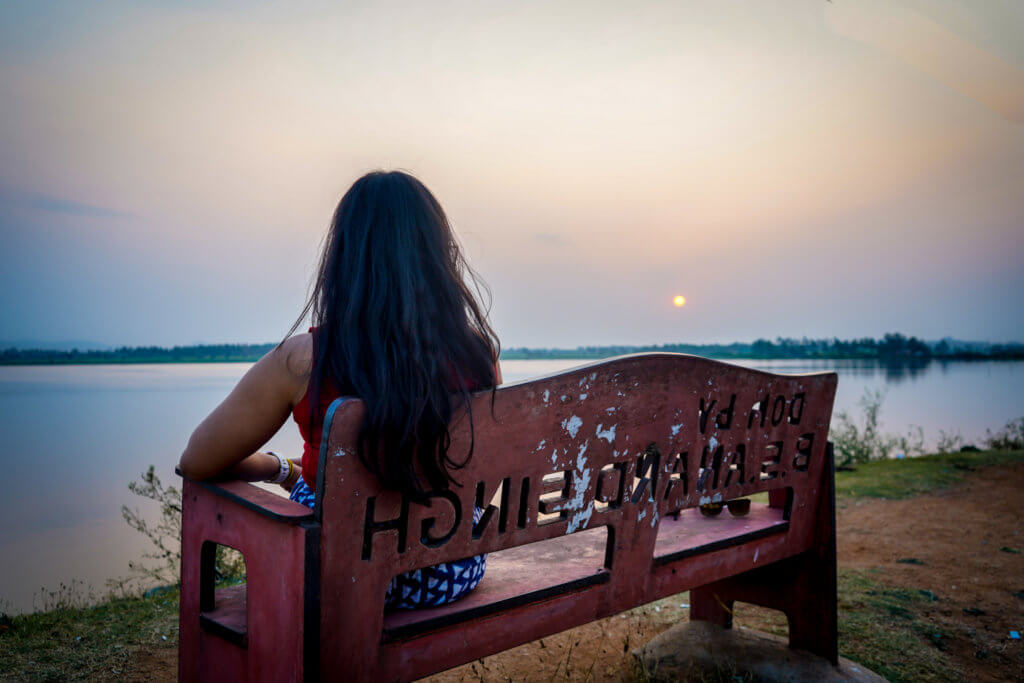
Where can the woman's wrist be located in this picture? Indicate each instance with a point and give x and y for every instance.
(286, 474)
(293, 476)
(256, 467)
(282, 472)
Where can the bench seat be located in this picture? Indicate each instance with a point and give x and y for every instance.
(533, 572)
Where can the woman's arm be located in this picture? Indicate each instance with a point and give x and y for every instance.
(226, 441)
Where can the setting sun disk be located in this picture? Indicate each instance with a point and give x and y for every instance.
(678, 300)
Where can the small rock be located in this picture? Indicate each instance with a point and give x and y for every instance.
(932, 597)
(1008, 549)
(697, 647)
(974, 611)
(909, 560)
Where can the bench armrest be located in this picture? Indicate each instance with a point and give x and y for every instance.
(277, 508)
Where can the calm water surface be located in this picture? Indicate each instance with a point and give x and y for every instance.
(74, 436)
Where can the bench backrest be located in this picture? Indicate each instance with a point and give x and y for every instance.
(619, 444)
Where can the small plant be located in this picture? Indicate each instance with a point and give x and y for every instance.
(67, 596)
(948, 442)
(165, 535)
(1009, 438)
(856, 444)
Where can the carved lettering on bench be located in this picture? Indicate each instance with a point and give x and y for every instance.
(736, 465)
(740, 464)
(647, 469)
(483, 500)
(524, 503)
(804, 446)
(678, 486)
(710, 466)
(433, 540)
(548, 504)
(778, 410)
(796, 413)
(770, 461)
(724, 418)
(611, 493)
(371, 526)
(703, 412)
(774, 407)
(758, 411)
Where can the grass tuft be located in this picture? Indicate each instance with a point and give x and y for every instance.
(87, 643)
(913, 476)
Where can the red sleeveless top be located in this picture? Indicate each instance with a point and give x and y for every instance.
(301, 413)
(311, 440)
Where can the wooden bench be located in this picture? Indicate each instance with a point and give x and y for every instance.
(591, 480)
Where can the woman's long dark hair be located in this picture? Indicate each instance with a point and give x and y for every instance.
(397, 326)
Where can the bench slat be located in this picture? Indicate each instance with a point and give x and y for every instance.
(228, 617)
(693, 534)
(514, 577)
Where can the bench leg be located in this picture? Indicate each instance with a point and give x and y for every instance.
(803, 587)
(271, 642)
(707, 605)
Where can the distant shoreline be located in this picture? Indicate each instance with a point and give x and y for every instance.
(880, 361)
(890, 349)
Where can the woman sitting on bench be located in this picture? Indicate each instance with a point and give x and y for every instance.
(395, 324)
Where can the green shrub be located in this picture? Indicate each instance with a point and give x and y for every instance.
(165, 535)
(858, 443)
(1009, 438)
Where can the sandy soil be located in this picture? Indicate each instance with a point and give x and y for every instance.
(956, 534)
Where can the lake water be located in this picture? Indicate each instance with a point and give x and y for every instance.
(74, 436)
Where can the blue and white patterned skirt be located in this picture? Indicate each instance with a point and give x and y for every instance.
(427, 587)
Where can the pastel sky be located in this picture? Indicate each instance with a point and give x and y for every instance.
(800, 167)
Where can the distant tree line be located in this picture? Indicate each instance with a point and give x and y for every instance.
(202, 353)
(893, 347)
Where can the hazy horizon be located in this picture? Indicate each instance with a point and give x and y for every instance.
(86, 345)
(821, 169)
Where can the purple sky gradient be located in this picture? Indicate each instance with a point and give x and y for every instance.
(167, 170)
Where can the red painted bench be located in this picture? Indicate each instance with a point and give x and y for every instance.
(591, 480)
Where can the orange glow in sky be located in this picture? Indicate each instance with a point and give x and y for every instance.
(136, 171)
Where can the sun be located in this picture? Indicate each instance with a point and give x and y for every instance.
(678, 300)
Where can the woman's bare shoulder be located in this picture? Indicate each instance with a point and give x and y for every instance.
(296, 358)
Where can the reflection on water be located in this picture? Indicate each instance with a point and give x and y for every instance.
(890, 372)
(893, 372)
(74, 436)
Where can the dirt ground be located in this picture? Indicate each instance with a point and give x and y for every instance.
(951, 544)
(969, 539)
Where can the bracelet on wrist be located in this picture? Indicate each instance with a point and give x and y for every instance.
(284, 469)
(293, 475)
